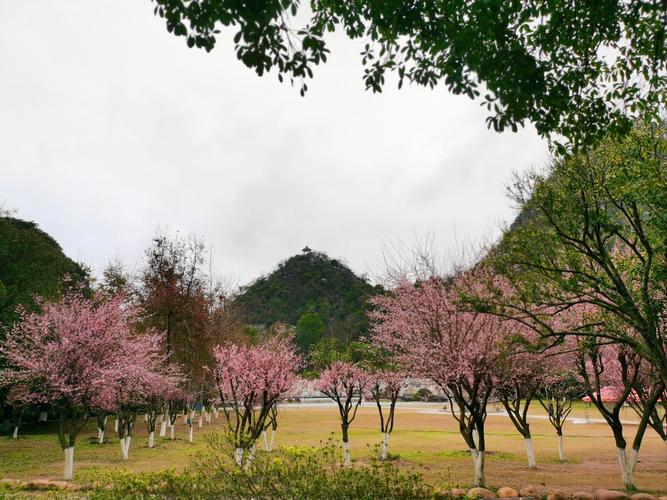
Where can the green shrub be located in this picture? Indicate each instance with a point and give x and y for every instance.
(294, 473)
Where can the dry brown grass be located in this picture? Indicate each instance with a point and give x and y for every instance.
(422, 440)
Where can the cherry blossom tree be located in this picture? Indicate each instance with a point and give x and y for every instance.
(63, 358)
(250, 381)
(428, 331)
(519, 374)
(387, 385)
(138, 379)
(605, 368)
(556, 393)
(344, 382)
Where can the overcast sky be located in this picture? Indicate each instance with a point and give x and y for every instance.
(111, 128)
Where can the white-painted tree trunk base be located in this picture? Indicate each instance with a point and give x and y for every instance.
(123, 449)
(628, 465)
(530, 453)
(16, 432)
(475, 437)
(145, 417)
(266, 441)
(238, 456)
(68, 473)
(163, 428)
(273, 437)
(478, 465)
(348, 459)
(43, 416)
(171, 432)
(185, 418)
(151, 439)
(201, 420)
(385, 446)
(100, 437)
(561, 449)
(115, 426)
(191, 433)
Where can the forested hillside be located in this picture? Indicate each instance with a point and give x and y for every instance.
(319, 295)
(31, 264)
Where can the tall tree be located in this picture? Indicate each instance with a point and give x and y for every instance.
(574, 69)
(592, 232)
(428, 332)
(174, 298)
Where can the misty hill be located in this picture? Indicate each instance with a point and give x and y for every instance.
(312, 292)
(31, 264)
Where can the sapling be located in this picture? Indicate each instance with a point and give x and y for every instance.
(344, 383)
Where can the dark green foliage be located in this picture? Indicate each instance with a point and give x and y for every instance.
(309, 329)
(31, 264)
(593, 232)
(290, 473)
(305, 286)
(577, 69)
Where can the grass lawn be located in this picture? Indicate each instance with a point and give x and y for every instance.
(424, 440)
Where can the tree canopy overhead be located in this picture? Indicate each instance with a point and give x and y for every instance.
(575, 69)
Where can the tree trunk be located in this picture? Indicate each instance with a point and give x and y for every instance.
(385, 446)
(123, 449)
(100, 436)
(530, 452)
(346, 448)
(250, 457)
(191, 433)
(201, 420)
(561, 448)
(115, 425)
(68, 473)
(628, 465)
(43, 416)
(238, 456)
(151, 439)
(478, 465)
(273, 435)
(16, 432)
(163, 427)
(208, 417)
(171, 431)
(266, 442)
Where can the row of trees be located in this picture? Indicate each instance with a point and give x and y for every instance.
(575, 290)
(84, 357)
